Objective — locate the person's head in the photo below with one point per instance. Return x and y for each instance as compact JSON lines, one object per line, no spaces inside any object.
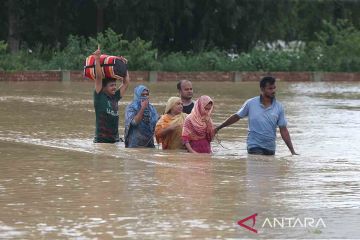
{"x":141,"y":92}
{"x":208,"y":107}
{"x":174,"y":106}
{"x":204,"y":106}
{"x":268,"y":87}
{"x":185,"y":89}
{"x":109,"y":86}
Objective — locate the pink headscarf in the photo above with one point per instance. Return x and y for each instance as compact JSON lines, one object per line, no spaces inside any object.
{"x":198,"y":124}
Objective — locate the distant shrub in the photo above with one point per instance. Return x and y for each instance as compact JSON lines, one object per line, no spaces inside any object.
{"x":336,"y":48}
{"x":3,"y":47}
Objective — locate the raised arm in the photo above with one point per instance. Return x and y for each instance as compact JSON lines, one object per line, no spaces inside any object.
{"x":125,"y":84}
{"x":98,"y":72}
{"x":139,"y":116}
{"x":287,"y":139}
{"x":231,"y":120}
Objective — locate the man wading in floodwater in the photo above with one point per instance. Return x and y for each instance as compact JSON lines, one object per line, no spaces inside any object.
{"x":106,"y":98}
{"x":265,"y":113}
{"x":186,"y":94}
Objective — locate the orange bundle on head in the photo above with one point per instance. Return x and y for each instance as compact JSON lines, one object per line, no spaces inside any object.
{"x":111,"y":66}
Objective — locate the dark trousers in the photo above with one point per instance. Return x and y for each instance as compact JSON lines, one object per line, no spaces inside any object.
{"x":260,"y":151}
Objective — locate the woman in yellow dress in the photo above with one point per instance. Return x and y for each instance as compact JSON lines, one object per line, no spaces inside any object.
{"x":169,"y":127}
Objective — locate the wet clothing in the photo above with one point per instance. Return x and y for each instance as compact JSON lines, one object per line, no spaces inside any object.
{"x":140,"y":134}
{"x":187,"y":109}
{"x":172,"y":140}
{"x":262,"y":122}
{"x":198,"y":127}
{"x":201,"y":145}
{"x":260,"y":151}
{"x":107,"y":117}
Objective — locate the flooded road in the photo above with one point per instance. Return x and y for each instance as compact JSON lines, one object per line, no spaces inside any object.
{"x":56,"y":184}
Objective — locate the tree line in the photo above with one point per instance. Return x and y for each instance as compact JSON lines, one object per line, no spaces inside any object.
{"x":183,"y":35}
{"x":172,"y":26}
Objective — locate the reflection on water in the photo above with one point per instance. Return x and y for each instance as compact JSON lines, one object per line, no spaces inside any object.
{"x":55,"y":183}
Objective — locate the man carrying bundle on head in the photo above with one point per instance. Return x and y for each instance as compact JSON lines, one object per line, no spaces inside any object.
{"x":106,"y":98}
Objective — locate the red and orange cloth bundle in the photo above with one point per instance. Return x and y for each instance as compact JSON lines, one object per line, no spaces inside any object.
{"x":111,"y":66}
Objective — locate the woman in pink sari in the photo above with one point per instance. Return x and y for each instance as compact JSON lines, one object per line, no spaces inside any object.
{"x":198,"y":130}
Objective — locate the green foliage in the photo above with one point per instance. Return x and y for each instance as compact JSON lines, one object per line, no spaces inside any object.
{"x":271,"y":60}
{"x":213,"y":60}
{"x":204,"y":61}
{"x":336,"y":48}
{"x":71,"y":57}
{"x":140,"y":54}
{"x":3,"y":47}
{"x":20,"y":61}
{"x":110,"y":43}
{"x":173,"y":26}
{"x":176,"y":62}
{"x":256,"y":60}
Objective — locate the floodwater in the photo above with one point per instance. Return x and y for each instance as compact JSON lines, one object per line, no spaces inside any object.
{"x":56,"y":184}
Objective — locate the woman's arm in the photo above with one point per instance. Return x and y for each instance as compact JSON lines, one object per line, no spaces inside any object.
{"x":163,"y":132}
{"x":189,"y":148}
{"x":210,"y":131}
{"x":140,"y":114}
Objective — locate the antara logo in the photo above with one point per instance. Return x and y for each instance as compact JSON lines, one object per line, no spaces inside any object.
{"x":283,"y":222}
{"x":253,"y":217}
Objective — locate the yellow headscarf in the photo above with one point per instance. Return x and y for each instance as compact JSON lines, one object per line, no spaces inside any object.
{"x":173,"y":140}
{"x":171,"y":103}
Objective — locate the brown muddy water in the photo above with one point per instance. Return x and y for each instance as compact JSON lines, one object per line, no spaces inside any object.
{"x":55,"y":183}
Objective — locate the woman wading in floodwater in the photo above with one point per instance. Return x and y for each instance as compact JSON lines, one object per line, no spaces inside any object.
{"x":198,"y":130}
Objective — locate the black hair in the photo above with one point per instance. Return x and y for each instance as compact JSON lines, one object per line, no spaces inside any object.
{"x":105,"y":81}
{"x":178,"y":85}
{"x":267,"y":81}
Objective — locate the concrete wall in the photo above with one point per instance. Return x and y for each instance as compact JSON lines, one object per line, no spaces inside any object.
{"x":146,"y":76}
{"x":30,"y":76}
